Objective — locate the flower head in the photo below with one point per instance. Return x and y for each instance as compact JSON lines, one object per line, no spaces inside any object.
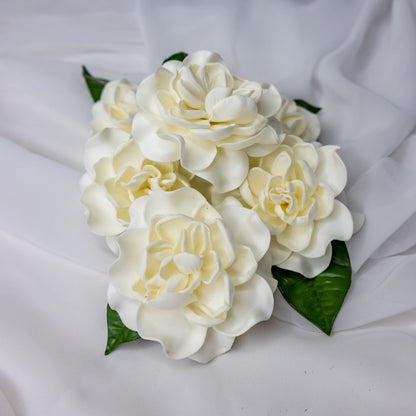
{"x":186,"y":274}
{"x":293,"y":191}
{"x":118,"y":174}
{"x":195,"y":111}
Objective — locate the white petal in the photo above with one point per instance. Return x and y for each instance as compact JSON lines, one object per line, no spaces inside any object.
{"x":171,"y":300}
{"x":215,"y":298}
{"x":331,"y":169}
{"x":270,"y":102}
{"x":237,"y":109}
{"x":136,"y":212}
{"x":168,"y":228}
{"x":102,"y":215}
{"x":264,"y":269}
{"x":296,"y":237}
{"x":185,"y":201}
{"x":178,"y":337}
{"x":306,"y":266}
{"x":154,"y":146}
{"x":147,"y":89}
{"x":227,"y":171}
{"x":103,"y":144}
{"x":247,"y":228}
{"x":124,"y":273}
{"x":338,"y":226}
{"x":278,"y":252}
{"x":187,"y":263}
{"x":127,"y":308}
{"x":253,"y":303}
{"x":215,"y":96}
{"x":215,"y":133}
{"x":202,"y":58}
{"x":215,"y":344}
{"x":196,"y":154}
{"x":223,"y":243}
{"x":306,"y":152}
{"x":244,"y":266}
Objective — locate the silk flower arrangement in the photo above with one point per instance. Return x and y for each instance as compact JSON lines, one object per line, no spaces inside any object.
{"x":213,"y":191}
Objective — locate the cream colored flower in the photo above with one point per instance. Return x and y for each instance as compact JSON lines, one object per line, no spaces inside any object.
{"x":116,"y":107}
{"x":118,"y":174}
{"x":187,"y":275}
{"x":195,"y":111}
{"x":298,"y":121}
{"x":293,"y":191}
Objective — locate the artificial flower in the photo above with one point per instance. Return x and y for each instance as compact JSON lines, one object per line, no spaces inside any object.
{"x":116,"y":175}
{"x":116,"y":107}
{"x":197,"y":112}
{"x":298,"y":121}
{"x":187,"y":275}
{"x":293,"y":190}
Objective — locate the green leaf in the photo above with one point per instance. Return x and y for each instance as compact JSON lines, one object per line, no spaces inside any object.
{"x":118,"y":333}
{"x":180,"y":56}
{"x":95,"y":85}
{"x":319,"y":299}
{"x":307,"y":106}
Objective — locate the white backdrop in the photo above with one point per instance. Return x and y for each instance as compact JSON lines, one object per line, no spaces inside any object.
{"x":355,"y":59}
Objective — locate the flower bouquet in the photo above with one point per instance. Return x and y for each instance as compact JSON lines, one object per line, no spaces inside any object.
{"x":212,"y":191}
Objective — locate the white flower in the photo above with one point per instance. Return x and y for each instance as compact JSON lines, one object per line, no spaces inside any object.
{"x":117,"y":106}
{"x":118,"y":174}
{"x":195,"y":111}
{"x":293,"y":191}
{"x":186,"y":274}
{"x":298,"y":121}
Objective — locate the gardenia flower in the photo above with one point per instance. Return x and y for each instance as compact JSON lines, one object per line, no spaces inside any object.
{"x":298,"y":121}
{"x":117,"y":106}
{"x":118,"y":174}
{"x":195,"y":111}
{"x":293,"y":191}
{"x":186,"y":274}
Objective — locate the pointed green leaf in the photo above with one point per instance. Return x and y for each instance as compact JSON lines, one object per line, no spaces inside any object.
{"x":319,"y":299}
{"x":180,"y":56}
{"x":118,"y":333}
{"x":307,"y":106}
{"x":95,"y":85}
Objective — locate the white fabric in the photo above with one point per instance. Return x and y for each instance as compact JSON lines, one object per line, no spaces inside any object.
{"x":355,"y":59}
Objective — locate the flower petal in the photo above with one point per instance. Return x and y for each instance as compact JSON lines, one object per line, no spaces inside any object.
{"x":154,"y":146}
{"x":253,"y":303}
{"x":216,"y":298}
{"x":183,"y":201}
{"x":102,"y":215}
{"x":127,"y":308}
{"x":215,"y":344}
{"x":331,"y":169}
{"x":215,"y":133}
{"x":103,"y":144}
{"x":296,"y":237}
{"x":202,"y":58}
{"x":308,"y":267}
{"x":244,"y":266}
{"x":248,"y":229}
{"x":278,"y":252}
{"x":227,"y":171}
{"x":338,"y":226}
{"x":146,"y":91}
{"x":236,"y":109}
{"x":269,"y":102}
{"x":196,"y":154}
{"x":124,"y":273}
{"x":215,"y":96}
{"x":178,"y":337}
